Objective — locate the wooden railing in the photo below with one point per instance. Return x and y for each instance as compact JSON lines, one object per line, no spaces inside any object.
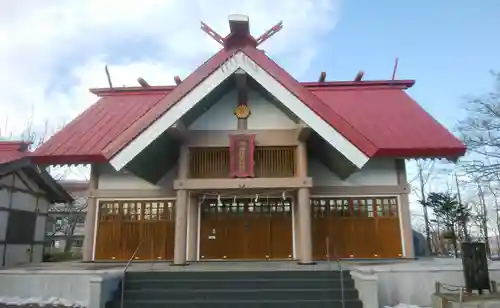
{"x":122,"y":295}
{"x":270,"y":162}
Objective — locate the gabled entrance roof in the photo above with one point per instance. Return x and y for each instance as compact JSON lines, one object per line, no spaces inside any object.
{"x":330,"y":126}
{"x":360,"y":119}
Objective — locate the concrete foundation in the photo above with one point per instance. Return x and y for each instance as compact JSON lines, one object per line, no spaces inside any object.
{"x":88,"y":288}
{"x":380,"y":283}
{"x":411,"y":282}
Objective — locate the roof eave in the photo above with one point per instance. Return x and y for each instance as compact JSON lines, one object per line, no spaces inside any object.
{"x":404,"y":84}
{"x":450,"y":153}
{"x":136,"y":90}
{"x":71,"y":159}
{"x":14,"y":165}
{"x":56,"y":192}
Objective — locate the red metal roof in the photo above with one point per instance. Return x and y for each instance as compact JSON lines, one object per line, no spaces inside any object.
{"x":84,"y":139}
{"x":164,"y":104}
{"x":320,"y":108}
{"x":12,"y":150}
{"x":329,"y":115}
{"x":378,"y":117}
{"x":392,"y":121}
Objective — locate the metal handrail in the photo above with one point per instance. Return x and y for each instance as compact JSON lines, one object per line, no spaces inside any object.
{"x":337,"y":259}
{"x":125,"y":272}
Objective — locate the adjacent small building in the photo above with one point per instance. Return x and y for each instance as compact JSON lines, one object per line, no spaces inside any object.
{"x":66,"y":221}
{"x":26,"y":192}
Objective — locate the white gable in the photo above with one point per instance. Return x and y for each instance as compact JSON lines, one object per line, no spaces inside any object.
{"x":239,"y":60}
{"x":265,"y":115}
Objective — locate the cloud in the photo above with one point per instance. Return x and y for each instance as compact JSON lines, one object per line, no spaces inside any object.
{"x":54,"y":50}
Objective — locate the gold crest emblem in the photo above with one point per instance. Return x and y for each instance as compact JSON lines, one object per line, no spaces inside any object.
{"x":242,"y":111}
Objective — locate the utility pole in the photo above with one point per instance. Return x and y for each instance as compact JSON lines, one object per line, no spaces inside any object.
{"x":464,"y":217}
{"x":424,"y":204}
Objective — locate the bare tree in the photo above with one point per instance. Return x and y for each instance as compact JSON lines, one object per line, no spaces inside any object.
{"x":425,"y":170}
{"x":494,"y":195}
{"x":71,"y":212}
{"x":480,"y":130}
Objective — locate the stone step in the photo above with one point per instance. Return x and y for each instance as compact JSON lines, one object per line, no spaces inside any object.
{"x":176,"y":275}
{"x":331,"y":303}
{"x":241,"y":295}
{"x":226,"y":284}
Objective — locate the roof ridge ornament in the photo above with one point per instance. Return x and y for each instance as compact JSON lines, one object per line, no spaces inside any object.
{"x":240,"y":36}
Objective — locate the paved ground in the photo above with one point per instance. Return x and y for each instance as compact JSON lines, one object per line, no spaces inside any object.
{"x":166,"y":266}
{"x":368,"y":265}
{"x":35,"y":306}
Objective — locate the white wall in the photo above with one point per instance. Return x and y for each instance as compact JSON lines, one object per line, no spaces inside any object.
{"x":264,"y":115}
{"x":378,"y":171}
{"x":17,"y":254}
{"x":4,"y":194}
{"x":4,"y":216}
{"x":109,"y":178}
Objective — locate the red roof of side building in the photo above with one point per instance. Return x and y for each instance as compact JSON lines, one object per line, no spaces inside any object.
{"x":379,"y":110}
{"x":11,"y":151}
{"x":14,"y":156}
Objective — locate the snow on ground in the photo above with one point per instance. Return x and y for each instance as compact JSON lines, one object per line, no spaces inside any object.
{"x":52,"y":301}
{"x":404,"y":306}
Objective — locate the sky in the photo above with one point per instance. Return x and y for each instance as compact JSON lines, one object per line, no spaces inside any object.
{"x":53,"y":51}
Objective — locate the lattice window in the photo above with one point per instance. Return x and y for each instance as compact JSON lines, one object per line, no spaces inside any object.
{"x":355,"y":207}
{"x":137,"y":210}
{"x":266,"y":207}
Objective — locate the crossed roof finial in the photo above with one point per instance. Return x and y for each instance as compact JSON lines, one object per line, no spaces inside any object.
{"x":240,"y":32}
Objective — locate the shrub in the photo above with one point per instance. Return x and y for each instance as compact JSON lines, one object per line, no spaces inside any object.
{"x":60,"y":256}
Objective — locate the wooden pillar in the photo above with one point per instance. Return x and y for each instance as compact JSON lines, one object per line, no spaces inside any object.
{"x":192,"y":241}
{"x":181,"y":210}
{"x":90,"y":216}
{"x":304,"y":209}
{"x":408,"y":250}
{"x":296,"y":227}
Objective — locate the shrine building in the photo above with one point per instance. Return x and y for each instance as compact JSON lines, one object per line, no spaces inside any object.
{"x":240,"y":161}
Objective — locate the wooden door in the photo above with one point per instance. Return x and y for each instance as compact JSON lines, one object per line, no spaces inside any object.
{"x":281,"y":243}
{"x":388,"y":228}
{"x":358,"y":227}
{"x":109,"y":229}
{"x":256,"y":236}
{"x":319,"y":224}
{"x":126,"y":225}
{"x":245,"y":229}
{"x":212,"y":231}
